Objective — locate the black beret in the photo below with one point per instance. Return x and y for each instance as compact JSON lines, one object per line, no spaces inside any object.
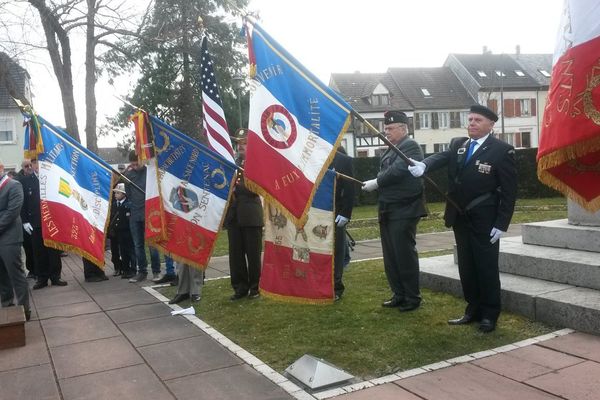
{"x":395,"y":117}
{"x":133,"y":156}
{"x":483,"y":110}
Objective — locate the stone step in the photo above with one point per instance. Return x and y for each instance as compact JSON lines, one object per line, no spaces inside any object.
{"x":12,"y":327}
{"x":559,"y":233}
{"x":548,"y":302}
{"x":572,"y":267}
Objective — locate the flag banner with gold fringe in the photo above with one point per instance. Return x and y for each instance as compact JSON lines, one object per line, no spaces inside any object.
{"x":569,"y":149}
{"x":32,"y":144}
{"x":298,"y":262}
{"x":295,"y":124}
{"x":187,"y":186}
{"x":75,"y":195}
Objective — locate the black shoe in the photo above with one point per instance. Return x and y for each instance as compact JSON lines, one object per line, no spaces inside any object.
{"x":174,"y":282}
{"x":179,"y":298}
{"x":31,"y":276}
{"x":97,"y":278}
{"x":408,"y":306}
{"x":465,"y":319}
{"x":487,"y":325}
{"x":393,"y":302}
{"x":27,"y":315}
{"x":39,"y":285}
{"x":195,"y":298}
{"x":140,"y":277}
{"x":254,"y":294}
{"x":165,"y":279}
{"x":117,"y":273}
{"x":59,"y":282}
{"x":237,"y":296}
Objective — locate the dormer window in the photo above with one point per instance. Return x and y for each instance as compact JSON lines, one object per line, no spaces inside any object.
{"x":481,"y":74}
{"x":519,"y":72}
{"x":425,"y":92}
{"x":500,"y":73}
{"x":380,"y":99}
{"x":545,"y":73}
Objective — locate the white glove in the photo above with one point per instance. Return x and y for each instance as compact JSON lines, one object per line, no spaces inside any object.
{"x":495,"y":235}
{"x":369,"y":186}
{"x":418,"y":169}
{"x":341,"y":221}
{"x":28,"y":228}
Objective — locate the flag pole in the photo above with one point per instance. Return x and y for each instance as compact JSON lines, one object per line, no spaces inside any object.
{"x":347,"y":177}
{"x":405,"y":158}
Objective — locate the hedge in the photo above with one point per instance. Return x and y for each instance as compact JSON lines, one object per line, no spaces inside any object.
{"x":529,"y":186}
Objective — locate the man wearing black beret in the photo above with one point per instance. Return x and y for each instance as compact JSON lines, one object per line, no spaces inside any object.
{"x":401,"y":206}
{"x":482,"y":180}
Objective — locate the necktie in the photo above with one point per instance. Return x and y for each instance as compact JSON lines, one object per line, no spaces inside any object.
{"x":470,"y":152}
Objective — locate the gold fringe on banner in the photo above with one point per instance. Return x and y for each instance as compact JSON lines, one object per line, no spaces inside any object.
{"x":295,"y":300}
{"x":561,"y":156}
{"x":73,"y":249}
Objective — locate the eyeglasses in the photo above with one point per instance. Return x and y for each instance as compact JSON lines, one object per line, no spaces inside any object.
{"x":27,"y":166}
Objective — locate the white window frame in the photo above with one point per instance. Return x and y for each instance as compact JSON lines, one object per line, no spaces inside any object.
{"x":525,"y":107}
{"x":10,"y":123}
{"x":481,"y":74}
{"x":464,"y":119}
{"x":500,"y":73}
{"x":545,"y":73}
{"x":425,"y":92}
{"x":443,"y":120}
{"x":425,"y":120}
{"x":518,"y":72}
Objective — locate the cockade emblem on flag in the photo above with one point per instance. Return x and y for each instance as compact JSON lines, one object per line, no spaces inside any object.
{"x":278,"y":127}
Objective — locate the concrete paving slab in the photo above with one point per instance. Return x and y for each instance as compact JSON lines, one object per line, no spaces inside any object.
{"x":29,"y":383}
{"x":131,"y":383}
{"x":527,"y":362}
{"x":63,"y":295}
{"x":383,"y":392}
{"x":137,"y":313}
{"x":82,"y":328}
{"x":33,"y":353}
{"x":113,"y":284}
{"x":579,"y":382}
{"x":578,"y":344}
{"x":125,"y":298}
{"x":466,"y":382}
{"x":68,"y":310}
{"x":157,"y":330}
{"x":187,"y":356}
{"x":95,"y":356}
{"x":576,"y":307}
{"x":559,"y":233}
{"x":236,"y":383}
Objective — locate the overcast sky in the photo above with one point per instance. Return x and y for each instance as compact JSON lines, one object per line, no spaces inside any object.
{"x":330,"y":36}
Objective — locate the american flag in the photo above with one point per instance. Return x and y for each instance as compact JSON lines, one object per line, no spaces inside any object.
{"x":213,"y":120}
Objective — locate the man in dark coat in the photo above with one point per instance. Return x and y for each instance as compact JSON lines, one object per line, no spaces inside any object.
{"x":482,"y":181}
{"x":244,"y":222}
{"x":401,"y":206}
{"x":12,"y":276}
{"x":344,"y":202}
{"x":26,"y":170}
{"x":48,"y":265}
{"x":121,"y":243}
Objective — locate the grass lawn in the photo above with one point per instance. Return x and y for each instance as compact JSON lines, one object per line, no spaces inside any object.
{"x":356,"y":333}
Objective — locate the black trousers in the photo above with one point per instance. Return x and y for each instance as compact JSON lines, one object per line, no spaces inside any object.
{"x":245,"y":246}
{"x":340,"y":247}
{"x":478,"y":268}
{"x":46,"y":260}
{"x":91,"y":270}
{"x":122,"y":253}
{"x":400,"y":257}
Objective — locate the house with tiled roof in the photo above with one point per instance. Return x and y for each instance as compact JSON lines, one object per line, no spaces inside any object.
{"x":513,"y":85}
{"x":11,"y":120}
{"x":433,"y":99}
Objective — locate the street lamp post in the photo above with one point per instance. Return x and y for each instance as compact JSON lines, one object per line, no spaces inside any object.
{"x":237,"y":83}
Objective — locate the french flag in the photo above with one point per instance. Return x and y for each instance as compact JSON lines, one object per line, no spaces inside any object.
{"x":187,"y":189}
{"x":295,"y":125}
{"x":75,"y":190}
{"x":298,"y":263}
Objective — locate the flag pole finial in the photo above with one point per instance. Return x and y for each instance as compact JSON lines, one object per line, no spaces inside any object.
{"x":200,"y":24}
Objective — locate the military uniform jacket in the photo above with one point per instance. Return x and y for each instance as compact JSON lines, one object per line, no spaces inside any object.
{"x":488,"y":181}
{"x":30,"y":212}
{"x":344,"y":189}
{"x":399,"y":192}
{"x":119,"y":219}
{"x":11,"y":200}
{"x":245,"y":208}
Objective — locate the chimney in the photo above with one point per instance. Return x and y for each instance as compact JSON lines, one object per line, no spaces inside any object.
{"x":518,"y":50}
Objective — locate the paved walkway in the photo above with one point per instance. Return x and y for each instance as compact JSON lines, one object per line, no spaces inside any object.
{"x":114,"y":340}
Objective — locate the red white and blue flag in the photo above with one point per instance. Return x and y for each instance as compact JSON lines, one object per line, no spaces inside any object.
{"x":569,"y":149}
{"x":187,"y":189}
{"x":213,"y":120}
{"x":295,"y":125}
{"x":298,"y":262}
{"x":75,"y":193}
